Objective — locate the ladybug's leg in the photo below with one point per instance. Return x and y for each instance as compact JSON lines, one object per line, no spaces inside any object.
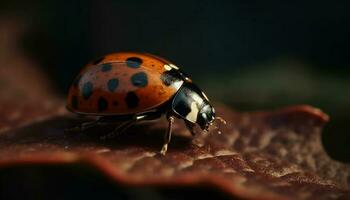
{"x":120,"y":129}
{"x":83,"y":126}
{"x":167,"y":136}
{"x":190,"y":127}
{"x":127,"y":124}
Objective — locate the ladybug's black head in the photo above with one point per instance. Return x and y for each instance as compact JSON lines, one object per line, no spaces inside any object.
{"x":191,"y":104}
{"x":206,"y":117}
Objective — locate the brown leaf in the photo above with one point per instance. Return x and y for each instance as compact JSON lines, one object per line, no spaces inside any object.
{"x":261,"y":155}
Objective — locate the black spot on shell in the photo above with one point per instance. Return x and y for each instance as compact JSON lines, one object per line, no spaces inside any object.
{"x":170,"y":77}
{"x":98,"y":61}
{"x":74,"y":102}
{"x":112,"y":84}
{"x":139,"y":79}
{"x":131,"y":100}
{"x":87,"y":90}
{"x":102,"y":104}
{"x":106,"y":67}
{"x":134,"y":62}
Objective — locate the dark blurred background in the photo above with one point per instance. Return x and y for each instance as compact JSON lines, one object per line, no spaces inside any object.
{"x":248,"y":54}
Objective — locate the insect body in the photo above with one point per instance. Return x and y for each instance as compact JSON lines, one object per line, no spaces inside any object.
{"x":135,"y":86}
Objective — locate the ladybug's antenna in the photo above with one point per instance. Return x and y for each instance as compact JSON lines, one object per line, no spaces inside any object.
{"x":215,"y":124}
{"x":221,"y":120}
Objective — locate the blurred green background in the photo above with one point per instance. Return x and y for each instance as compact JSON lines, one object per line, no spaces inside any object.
{"x":248,"y":54}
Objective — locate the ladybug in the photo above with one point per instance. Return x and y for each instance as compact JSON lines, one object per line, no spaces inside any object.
{"x":133,"y":87}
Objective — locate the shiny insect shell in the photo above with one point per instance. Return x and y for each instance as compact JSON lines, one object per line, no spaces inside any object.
{"x":132,"y":87}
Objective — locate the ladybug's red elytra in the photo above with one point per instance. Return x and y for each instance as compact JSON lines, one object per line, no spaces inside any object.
{"x":134,"y":87}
